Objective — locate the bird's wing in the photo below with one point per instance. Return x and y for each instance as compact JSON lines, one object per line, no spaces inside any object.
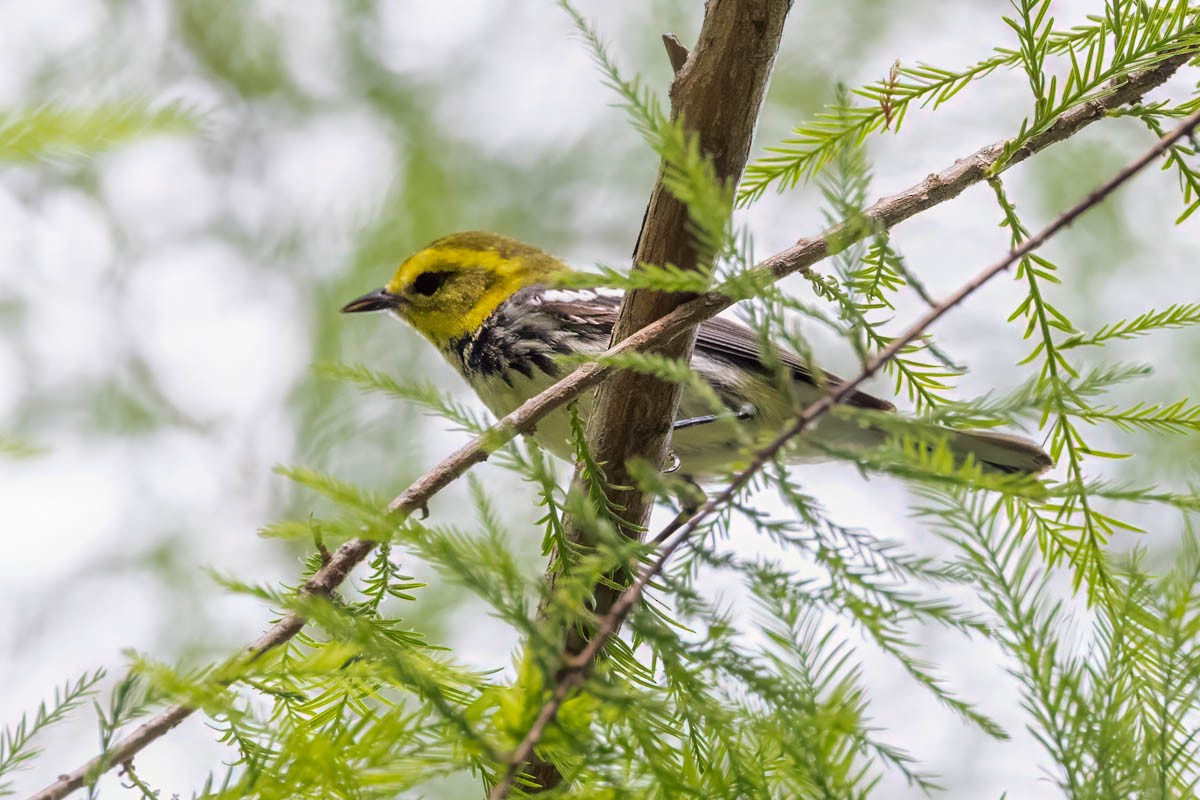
{"x":717,"y":337}
{"x":734,"y":342}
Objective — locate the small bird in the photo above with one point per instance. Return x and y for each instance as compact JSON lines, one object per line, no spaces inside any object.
{"x":488,"y":303}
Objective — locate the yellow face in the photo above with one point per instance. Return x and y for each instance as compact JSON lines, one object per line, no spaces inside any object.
{"x":447,"y":290}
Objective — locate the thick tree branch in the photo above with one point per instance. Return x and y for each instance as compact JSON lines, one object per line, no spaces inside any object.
{"x":716,"y":94}
{"x":576,"y":665}
{"x":887,"y":212}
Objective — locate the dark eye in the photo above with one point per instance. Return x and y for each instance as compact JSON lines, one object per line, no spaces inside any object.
{"x":428,"y":282}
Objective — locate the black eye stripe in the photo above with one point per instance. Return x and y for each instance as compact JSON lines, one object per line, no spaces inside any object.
{"x":427,"y":283}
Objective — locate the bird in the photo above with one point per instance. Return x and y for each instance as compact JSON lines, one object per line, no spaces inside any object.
{"x":496,"y":310}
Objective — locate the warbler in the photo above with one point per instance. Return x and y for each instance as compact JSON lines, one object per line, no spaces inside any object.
{"x":489,"y":304}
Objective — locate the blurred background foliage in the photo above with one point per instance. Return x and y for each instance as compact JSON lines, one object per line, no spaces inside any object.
{"x":224,"y":175}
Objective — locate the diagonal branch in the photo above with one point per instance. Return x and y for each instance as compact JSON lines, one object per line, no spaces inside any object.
{"x":886,"y":213}
{"x":576,"y":665}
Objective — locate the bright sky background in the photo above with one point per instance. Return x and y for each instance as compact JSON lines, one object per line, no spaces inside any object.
{"x":184,"y":277}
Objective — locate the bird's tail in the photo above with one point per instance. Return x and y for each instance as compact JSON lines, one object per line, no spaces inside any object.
{"x":999,"y":452}
{"x":995,"y":453}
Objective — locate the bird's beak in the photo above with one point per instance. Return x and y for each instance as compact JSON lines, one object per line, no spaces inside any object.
{"x":378,"y":300}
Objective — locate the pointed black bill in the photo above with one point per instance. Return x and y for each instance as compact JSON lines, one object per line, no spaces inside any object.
{"x":378,"y":300}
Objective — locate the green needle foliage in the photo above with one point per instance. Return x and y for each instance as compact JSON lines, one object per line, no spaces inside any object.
{"x":1109,"y":712}
{"x":1043,"y":322}
{"x":17,"y":745}
{"x":868,"y":278}
{"x":1144,"y":34}
{"x":55,"y":131}
{"x":15,"y":448}
{"x":1180,"y":315}
{"x":759,"y":692}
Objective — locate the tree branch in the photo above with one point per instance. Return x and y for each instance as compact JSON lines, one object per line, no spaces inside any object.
{"x":716,"y":94}
{"x":966,"y":172}
{"x":576,"y":665}
{"x":886,"y":212}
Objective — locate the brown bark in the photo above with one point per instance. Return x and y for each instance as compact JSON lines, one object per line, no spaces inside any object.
{"x":717,"y":93}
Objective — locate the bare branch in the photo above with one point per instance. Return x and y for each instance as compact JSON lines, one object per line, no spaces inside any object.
{"x":576,"y":665}
{"x":887,"y":212}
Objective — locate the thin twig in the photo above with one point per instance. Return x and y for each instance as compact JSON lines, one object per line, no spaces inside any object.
{"x":575,"y":667}
{"x":885,"y":213}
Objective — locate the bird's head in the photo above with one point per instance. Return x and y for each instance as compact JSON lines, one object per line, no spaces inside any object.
{"x":448,"y":289}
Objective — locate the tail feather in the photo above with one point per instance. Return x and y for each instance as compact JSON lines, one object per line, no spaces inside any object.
{"x":1001,"y":452}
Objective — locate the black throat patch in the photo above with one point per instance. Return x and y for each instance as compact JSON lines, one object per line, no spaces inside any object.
{"x":517,"y":337}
